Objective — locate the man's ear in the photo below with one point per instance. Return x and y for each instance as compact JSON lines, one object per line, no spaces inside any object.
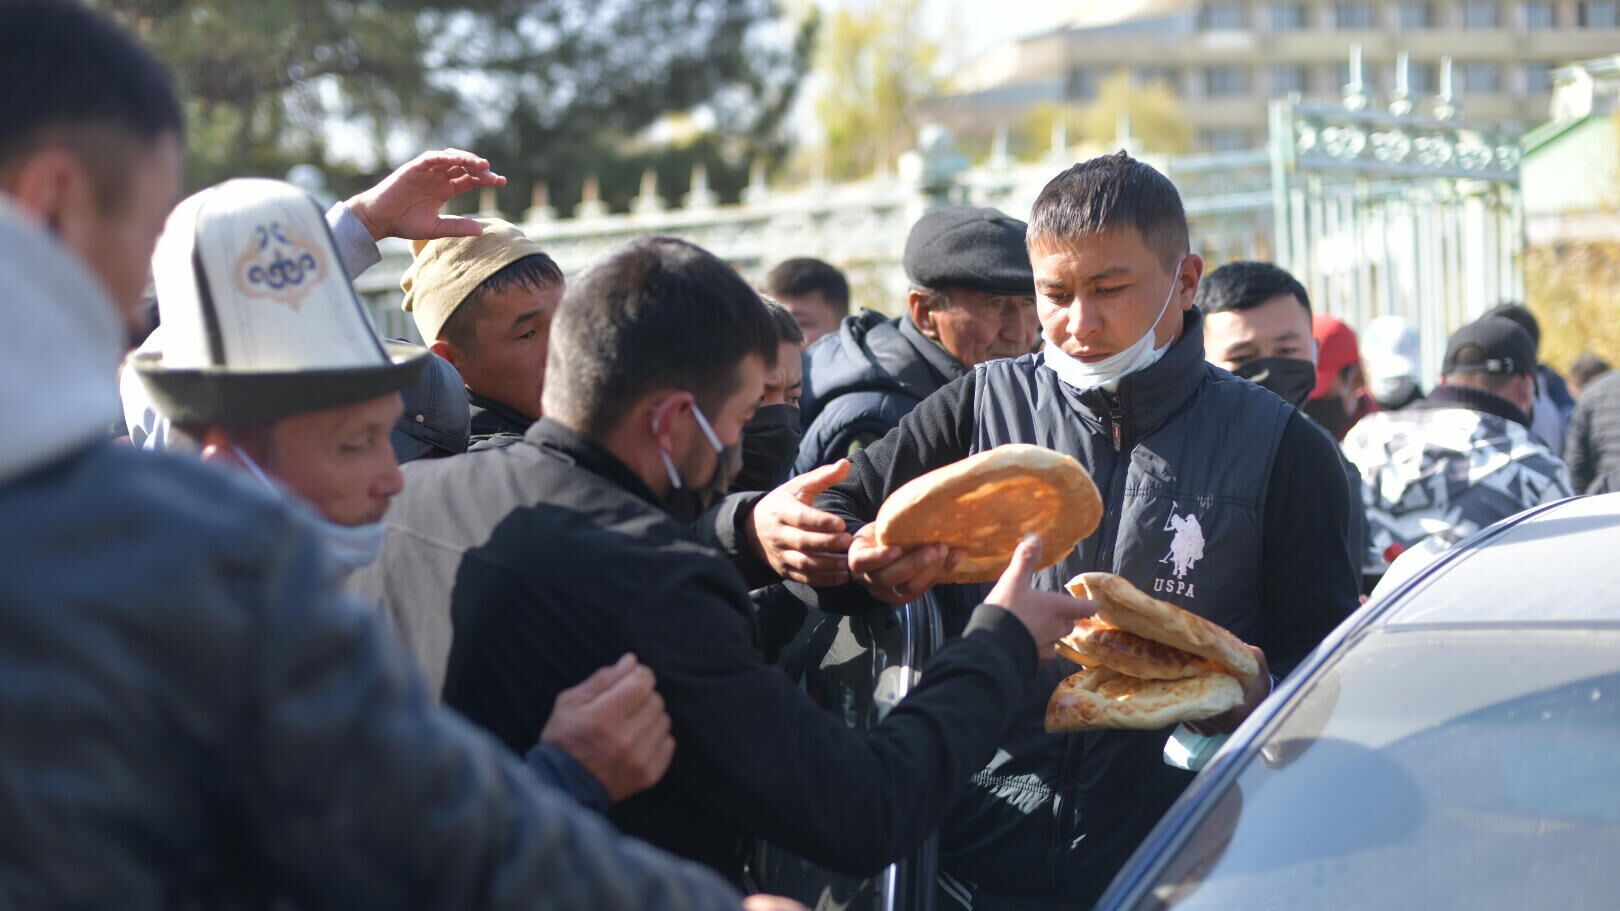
{"x":53,"y":186}
{"x":664,"y":415}
{"x":448,"y":351}
{"x":1192,"y":271}
{"x":921,"y":306}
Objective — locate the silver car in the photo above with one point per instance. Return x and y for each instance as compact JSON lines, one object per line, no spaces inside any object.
{"x":1455,"y":744}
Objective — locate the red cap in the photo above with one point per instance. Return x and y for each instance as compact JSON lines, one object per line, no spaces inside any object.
{"x":1336,"y":349}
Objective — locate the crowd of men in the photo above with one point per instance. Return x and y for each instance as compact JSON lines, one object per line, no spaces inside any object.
{"x":496,"y":621}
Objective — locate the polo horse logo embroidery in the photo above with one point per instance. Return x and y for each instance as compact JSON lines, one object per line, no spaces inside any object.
{"x":279,"y":264}
{"x":1187,"y":545}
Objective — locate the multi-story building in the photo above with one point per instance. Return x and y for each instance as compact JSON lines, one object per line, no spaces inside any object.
{"x":1225,"y":59}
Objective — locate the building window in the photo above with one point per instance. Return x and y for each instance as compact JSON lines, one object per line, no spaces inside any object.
{"x":1287,"y":79}
{"x":1227,"y":140}
{"x":1538,"y":78}
{"x":1226,"y":81}
{"x":1480,"y":14}
{"x":1287,"y":17}
{"x":1416,"y":15}
{"x":1353,"y":16}
{"x":1600,"y":15}
{"x":1225,"y":16}
{"x":1158,"y":75}
{"x":1479,"y":78}
{"x":1084,"y":82}
{"x":1540,"y":14}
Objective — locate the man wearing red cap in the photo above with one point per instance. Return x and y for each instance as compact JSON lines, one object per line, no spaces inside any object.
{"x":1339,"y":400}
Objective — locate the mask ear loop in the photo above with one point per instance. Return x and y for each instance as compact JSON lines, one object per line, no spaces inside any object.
{"x":669,"y":464}
{"x":254,"y":469}
{"x":703,"y":425}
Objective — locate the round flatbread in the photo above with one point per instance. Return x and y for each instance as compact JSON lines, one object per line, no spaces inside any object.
{"x":1123,"y":605}
{"x":983,"y":506}
{"x":1094,"y":643}
{"x":1103,"y":698}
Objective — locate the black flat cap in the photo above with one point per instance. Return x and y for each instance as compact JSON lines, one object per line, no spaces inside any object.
{"x":1491,"y":344}
{"x":964,"y":247}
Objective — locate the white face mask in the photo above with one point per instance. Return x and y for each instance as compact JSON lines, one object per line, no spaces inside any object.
{"x":1139,"y":356}
{"x":351,"y":547}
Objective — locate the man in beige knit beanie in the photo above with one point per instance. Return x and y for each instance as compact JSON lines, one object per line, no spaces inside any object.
{"x":485,"y":304}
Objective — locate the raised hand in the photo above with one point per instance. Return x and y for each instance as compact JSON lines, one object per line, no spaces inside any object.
{"x":408,"y":202}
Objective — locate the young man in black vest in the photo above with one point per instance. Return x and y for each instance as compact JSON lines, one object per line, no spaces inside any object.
{"x":1219,"y":497}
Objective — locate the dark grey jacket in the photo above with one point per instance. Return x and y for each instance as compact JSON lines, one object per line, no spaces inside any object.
{"x":1593,"y":448}
{"x":190,"y":721}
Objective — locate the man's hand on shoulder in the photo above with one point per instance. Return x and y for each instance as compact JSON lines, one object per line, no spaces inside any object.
{"x":614,"y":724}
{"x":408,"y":202}
{"x":798,"y":541}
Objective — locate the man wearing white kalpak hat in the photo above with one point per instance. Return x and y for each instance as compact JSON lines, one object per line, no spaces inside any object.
{"x":269,"y":361}
{"x":192,"y":717}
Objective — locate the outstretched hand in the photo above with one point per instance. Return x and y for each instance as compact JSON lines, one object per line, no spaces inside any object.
{"x":800,"y":542}
{"x":1048,"y":616}
{"x":408,"y":202}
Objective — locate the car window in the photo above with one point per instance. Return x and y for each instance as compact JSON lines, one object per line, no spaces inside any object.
{"x":1458,"y":768}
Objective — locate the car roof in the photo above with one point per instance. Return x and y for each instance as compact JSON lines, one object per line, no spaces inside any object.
{"x":1558,"y":564}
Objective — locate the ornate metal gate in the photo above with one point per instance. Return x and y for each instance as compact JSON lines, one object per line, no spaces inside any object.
{"x":1392,"y":212}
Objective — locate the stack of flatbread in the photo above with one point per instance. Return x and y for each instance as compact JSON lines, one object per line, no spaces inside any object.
{"x":1145,"y":664}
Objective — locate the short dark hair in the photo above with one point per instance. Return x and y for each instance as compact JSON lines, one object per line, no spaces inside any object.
{"x":1107,"y":194}
{"x":659,"y":313}
{"x":1587,"y":368}
{"x":75,"y":78}
{"x":798,"y":277}
{"x":787,"y":328}
{"x":537,"y":271}
{"x":1520,"y":314}
{"x":1245,"y":284}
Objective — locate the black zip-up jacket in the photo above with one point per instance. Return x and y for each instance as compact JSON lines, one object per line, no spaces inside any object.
{"x":554,"y":559}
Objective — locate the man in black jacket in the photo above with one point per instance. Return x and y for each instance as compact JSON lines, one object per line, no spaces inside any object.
{"x":970,"y":302}
{"x":562,"y":551}
{"x":1218,"y":497}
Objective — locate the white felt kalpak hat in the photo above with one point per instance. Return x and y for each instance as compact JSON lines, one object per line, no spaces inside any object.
{"x":259,"y":319}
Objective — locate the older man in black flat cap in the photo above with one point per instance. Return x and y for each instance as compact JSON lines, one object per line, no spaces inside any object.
{"x":972,"y":300}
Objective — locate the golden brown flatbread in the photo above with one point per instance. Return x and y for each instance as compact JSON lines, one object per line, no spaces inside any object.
{"x":1094,"y":643}
{"x":983,"y":506}
{"x":1098,"y":697}
{"x":1123,"y":605}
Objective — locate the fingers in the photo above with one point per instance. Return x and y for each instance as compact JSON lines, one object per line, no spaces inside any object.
{"x":1070,"y":608}
{"x":465,"y":182}
{"x":811,"y":484}
{"x":804,"y":517}
{"x":1026,"y":557}
{"x":907,"y":578}
{"x":453,"y":226}
{"x":599,"y":682}
{"x":818,"y":570}
{"x":626,"y":694}
{"x":450,"y":158}
{"x":771,"y":903}
{"x":789,"y":537}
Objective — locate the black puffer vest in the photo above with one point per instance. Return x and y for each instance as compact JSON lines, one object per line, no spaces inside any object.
{"x":1182,"y":455}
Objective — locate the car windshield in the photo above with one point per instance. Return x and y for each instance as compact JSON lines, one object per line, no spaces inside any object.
{"x":1457,"y":768}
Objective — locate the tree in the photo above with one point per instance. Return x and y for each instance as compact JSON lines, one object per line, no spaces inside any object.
{"x":1570,"y":288}
{"x":526,"y":81}
{"x":1155,"y":117}
{"x":874,"y":66}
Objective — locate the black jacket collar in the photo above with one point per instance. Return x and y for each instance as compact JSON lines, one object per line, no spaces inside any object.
{"x":1145,"y":401}
{"x":1474,"y":400}
{"x":491,"y":417}
{"x":559,"y":441}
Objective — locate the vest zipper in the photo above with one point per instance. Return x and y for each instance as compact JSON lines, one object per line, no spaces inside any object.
{"x":1116,"y":418}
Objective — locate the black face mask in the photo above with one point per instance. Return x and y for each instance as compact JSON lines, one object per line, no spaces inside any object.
{"x":770,"y":443}
{"x":1330,"y":413}
{"x":1291,"y":378}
